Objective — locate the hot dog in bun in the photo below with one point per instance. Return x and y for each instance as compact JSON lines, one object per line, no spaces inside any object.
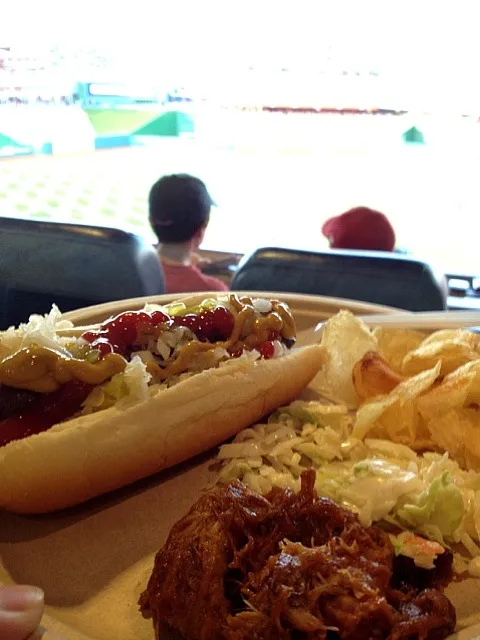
{"x":83,"y":415}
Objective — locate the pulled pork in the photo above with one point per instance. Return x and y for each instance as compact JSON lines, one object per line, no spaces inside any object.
{"x":294,"y":566}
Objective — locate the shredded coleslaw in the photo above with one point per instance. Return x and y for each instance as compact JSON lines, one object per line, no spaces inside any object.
{"x":381,"y":481}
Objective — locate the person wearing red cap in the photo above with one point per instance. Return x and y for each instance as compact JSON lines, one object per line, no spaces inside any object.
{"x":360,"y":228}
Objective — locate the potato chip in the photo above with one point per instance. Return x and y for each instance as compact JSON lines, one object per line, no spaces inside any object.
{"x":395,"y":416}
{"x":373,"y":376}
{"x":458,"y":389}
{"x":457,"y":431}
{"x":403,"y":424}
{"x":452,"y":348}
{"x":474,"y":391}
{"x":472,"y":439}
{"x":395,"y":344}
{"x":454,"y":335}
{"x":347,"y":340}
{"x":450,"y":412}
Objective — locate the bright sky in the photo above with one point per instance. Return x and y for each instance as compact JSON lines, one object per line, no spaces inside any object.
{"x":432,"y":43}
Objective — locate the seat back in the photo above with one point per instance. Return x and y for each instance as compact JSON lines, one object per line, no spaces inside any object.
{"x":369,"y":276}
{"x":71,"y":265}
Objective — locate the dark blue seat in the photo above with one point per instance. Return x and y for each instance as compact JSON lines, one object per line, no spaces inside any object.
{"x":370,"y":276}
{"x":70,"y":265}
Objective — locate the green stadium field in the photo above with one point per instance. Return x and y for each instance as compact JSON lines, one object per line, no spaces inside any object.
{"x":277,"y":196}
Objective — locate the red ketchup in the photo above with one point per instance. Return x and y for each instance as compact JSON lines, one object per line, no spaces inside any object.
{"x":209,"y":326}
{"x":267,"y":349}
{"x":120,"y":333}
{"x":47,"y":410}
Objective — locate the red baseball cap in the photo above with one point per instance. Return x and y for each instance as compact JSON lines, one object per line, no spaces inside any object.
{"x":360,"y":228}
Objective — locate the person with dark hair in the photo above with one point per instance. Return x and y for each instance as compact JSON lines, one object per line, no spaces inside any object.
{"x":360,"y":228}
{"x":179,"y":212}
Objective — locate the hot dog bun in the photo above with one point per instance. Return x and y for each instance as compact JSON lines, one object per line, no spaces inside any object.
{"x":94,"y":454}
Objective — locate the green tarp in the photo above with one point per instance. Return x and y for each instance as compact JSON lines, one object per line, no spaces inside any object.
{"x":6,"y":141}
{"x":171,"y":123}
{"x":414,"y":135}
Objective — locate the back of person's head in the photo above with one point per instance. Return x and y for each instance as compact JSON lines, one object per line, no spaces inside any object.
{"x":360,"y":228}
{"x":179,"y":207}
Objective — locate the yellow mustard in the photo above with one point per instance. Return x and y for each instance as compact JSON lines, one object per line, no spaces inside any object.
{"x":41,"y":369}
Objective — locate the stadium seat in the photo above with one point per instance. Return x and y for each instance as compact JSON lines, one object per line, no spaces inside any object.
{"x":369,"y":276}
{"x":70,"y":265}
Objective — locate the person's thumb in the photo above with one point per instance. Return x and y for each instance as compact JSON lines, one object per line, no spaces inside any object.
{"x":21,"y":609}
